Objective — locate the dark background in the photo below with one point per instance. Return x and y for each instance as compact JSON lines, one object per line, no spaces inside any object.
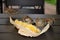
{"x":58,"y":6}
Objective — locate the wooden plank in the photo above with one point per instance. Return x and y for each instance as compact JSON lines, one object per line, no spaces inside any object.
{"x":57,"y":22}
{"x":7,"y":28}
{"x":18,"y":15}
{"x":56,"y":29}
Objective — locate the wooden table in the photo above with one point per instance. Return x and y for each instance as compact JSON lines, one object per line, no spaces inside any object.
{"x":8,"y":32}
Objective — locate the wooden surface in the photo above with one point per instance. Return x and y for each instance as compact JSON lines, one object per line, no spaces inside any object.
{"x":9,"y":32}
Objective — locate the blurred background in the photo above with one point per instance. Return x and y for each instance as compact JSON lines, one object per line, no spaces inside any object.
{"x":50,"y":6}
{"x":42,"y":6}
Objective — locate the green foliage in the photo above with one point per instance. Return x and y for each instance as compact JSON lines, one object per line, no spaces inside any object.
{"x":51,"y":1}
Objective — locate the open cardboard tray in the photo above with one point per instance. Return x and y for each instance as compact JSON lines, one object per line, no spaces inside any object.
{"x":43,"y":29}
{"x":8,"y":32}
